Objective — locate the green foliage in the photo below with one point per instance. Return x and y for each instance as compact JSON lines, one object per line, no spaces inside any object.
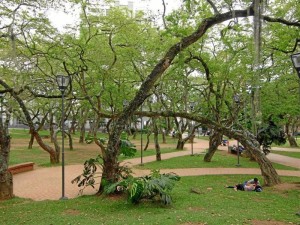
{"x":127,"y":148}
{"x":270,"y":134}
{"x":90,"y":174}
{"x":154,"y":186}
{"x":90,"y":139}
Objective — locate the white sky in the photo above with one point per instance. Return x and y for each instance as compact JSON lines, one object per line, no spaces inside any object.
{"x":60,"y":19}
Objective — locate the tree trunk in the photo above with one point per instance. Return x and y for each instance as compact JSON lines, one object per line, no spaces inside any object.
{"x":156,"y":142}
{"x":6,"y":185}
{"x":180,"y":144}
{"x":82,"y":133}
{"x":181,"y":141}
{"x":268,"y":172}
{"x":30,"y":144}
{"x":6,"y":181}
{"x":54,"y":155}
{"x":111,"y":171}
{"x":51,"y":126}
{"x":292,"y":141}
{"x":70,"y":140}
{"x":72,"y":128}
{"x":163,"y":135}
{"x":148,"y":141}
{"x":215,"y":139}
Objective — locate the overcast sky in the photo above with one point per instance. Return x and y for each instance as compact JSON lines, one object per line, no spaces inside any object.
{"x":59,"y":19}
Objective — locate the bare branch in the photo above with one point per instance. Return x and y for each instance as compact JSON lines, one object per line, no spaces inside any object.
{"x":213,"y":6}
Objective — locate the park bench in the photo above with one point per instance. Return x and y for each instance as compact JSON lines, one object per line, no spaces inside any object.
{"x":20,"y":168}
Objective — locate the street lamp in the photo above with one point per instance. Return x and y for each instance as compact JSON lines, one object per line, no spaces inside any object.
{"x":63,"y":82}
{"x":296,"y":62}
{"x":192,"y":106}
{"x":236,"y":99}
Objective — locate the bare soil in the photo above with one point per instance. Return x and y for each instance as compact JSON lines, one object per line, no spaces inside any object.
{"x":287,"y":186}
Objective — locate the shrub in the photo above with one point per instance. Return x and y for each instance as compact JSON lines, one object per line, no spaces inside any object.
{"x":155,"y":186}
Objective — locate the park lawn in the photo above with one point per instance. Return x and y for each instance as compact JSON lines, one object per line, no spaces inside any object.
{"x":81,"y":151}
{"x":220,"y":159}
{"x":212,"y":204}
{"x":290,"y":154}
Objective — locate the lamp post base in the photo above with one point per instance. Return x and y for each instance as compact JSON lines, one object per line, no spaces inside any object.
{"x":63,"y":198}
{"x":238,"y":165}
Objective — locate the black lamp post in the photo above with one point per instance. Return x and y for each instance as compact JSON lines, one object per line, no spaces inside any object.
{"x":236,"y":99}
{"x":192,"y":106}
{"x":296,"y":62}
{"x":63,"y":82}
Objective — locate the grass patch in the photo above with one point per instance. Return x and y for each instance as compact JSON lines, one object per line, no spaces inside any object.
{"x":20,"y":153}
{"x":290,"y":154}
{"x":220,"y":159}
{"x":214,"y":205}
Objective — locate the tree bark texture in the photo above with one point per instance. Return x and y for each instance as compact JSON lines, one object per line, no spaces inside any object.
{"x":215,"y":140}
{"x":31,"y":141}
{"x":156,"y":141}
{"x":6,"y":185}
{"x":6,"y":181}
{"x":292,"y":141}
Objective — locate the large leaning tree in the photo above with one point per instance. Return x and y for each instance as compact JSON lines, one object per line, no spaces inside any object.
{"x":110,"y":168}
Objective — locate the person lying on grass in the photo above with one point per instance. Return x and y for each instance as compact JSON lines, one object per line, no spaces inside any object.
{"x":250,"y":185}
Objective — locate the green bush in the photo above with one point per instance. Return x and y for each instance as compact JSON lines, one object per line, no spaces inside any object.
{"x":155,"y":186}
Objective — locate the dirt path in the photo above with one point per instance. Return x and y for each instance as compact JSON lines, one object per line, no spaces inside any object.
{"x":45,"y":183}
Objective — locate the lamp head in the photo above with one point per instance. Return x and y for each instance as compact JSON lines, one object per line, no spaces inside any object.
{"x":62,"y":82}
{"x":192,"y":105}
{"x":296,"y":62}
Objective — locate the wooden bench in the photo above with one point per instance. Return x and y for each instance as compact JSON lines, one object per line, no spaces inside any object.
{"x":20,"y":168}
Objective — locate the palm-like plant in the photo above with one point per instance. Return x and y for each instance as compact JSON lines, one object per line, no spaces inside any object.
{"x":155,"y":186}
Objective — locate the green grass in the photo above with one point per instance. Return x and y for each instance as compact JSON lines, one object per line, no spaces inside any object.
{"x":214,"y":205}
{"x":219,"y":160}
{"x":290,"y":154}
{"x":24,"y":133}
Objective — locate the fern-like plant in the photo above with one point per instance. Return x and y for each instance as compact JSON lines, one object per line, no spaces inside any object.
{"x":155,"y":186}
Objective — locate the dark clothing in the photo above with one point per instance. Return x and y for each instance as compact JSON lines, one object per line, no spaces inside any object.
{"x":238,"y":187}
